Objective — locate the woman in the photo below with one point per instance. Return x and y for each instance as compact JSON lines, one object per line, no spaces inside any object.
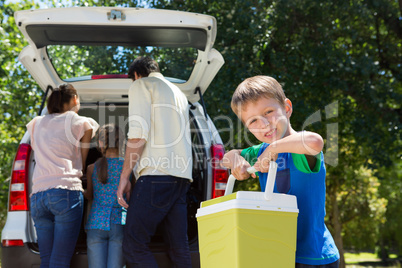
{"x":60,"y":141}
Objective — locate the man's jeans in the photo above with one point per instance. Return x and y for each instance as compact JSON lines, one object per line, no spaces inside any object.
{"x":154,"y":200}
{"x":105,"y":247}
{"x":57,"y":215}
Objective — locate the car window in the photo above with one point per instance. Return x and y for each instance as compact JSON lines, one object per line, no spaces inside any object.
{"x":72,"y":61}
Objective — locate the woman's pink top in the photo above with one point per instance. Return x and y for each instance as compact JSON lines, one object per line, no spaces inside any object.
{"x":55,"y":139}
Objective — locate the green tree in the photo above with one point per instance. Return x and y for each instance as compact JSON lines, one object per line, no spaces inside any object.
{"x":390,"y":230}
{"x":19,"y":95}
{"x":339,"y":58}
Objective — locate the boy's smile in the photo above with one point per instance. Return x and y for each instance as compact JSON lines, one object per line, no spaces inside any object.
{"x":267,"y":119}
{"x":271,"y":133}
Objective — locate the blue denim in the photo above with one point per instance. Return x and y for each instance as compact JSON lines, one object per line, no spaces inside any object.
{"x":105,"y":247}
{"x":155,"y":200}
{"x":330,"y":265}
{"x":57,"y":214}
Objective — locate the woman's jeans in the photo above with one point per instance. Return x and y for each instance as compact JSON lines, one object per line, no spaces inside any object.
{"x":155,"y":200}
{"x":105,"y":247}
{"x":57,"y":214}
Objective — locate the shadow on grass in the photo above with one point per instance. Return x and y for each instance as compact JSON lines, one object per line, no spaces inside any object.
{"x":393,"y":263}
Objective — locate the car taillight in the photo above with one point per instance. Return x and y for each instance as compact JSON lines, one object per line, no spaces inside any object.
{"x":219,"y":174}
{"x":13,"y":243}
{"x":19,"y":179}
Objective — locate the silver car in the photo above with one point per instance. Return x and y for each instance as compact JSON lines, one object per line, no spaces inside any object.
{"x":91,"y":48}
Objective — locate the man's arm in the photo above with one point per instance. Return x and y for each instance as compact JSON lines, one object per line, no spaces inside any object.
{"x":134,"y":150}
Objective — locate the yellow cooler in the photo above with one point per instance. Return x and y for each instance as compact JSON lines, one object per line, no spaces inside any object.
{"x":248,"y":229}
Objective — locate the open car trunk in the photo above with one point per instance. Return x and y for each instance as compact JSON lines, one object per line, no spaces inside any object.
{"x":117,"y":113}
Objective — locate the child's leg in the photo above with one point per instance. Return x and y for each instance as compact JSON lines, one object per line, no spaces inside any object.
{"x":97,"y":242}
{"x":115,"y":251}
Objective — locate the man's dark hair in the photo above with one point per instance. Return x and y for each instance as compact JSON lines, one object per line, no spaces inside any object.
{"x":143,"y":66}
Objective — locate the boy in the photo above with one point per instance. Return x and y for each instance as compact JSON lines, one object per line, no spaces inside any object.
{"x":263,"y":108}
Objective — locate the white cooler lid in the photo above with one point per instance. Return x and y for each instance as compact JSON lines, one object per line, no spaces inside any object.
{"x":249,"y":200}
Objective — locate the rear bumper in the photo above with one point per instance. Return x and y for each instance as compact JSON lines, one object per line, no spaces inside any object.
{"x":25,"y":257}
{"x":19,"y":257}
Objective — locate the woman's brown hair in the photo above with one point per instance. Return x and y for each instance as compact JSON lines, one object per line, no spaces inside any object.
{"x":60,"y":96}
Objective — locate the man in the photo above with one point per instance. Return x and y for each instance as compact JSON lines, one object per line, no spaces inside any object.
{"x":159,"y":144}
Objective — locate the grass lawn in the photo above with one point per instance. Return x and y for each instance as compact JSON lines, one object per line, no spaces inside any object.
{"x":367,"y":259}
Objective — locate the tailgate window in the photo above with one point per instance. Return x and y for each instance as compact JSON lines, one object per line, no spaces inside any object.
{"x":71,"y":61}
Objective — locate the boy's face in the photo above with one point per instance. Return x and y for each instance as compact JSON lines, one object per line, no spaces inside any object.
{"x":267,"y":119}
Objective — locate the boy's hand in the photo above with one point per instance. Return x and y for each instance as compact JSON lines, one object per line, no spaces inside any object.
{"x":237,"y":164}
{"x":241,"y":173}
{"x":240,"y":169}
{"x":262,"y":164}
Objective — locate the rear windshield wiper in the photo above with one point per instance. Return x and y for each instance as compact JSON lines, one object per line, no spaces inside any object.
{"x":198,"y":90}
{"x":49,"y":87}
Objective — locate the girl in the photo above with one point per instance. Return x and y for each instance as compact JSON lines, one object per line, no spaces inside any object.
{"x":105,"y":226}
{"x":60,"y":141}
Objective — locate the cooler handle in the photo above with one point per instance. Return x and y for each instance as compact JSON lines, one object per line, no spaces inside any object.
{"x":232,"y":179}
{"x":269,"y":188}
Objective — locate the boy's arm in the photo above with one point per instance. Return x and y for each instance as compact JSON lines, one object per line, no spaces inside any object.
{"x":305,"y":142}
{"x":237,"y":164}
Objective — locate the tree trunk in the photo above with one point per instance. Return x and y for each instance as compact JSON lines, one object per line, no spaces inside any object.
{"x":337,"y":226}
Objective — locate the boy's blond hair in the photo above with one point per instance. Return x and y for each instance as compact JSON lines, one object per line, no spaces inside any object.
{"x":253,"y":88}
